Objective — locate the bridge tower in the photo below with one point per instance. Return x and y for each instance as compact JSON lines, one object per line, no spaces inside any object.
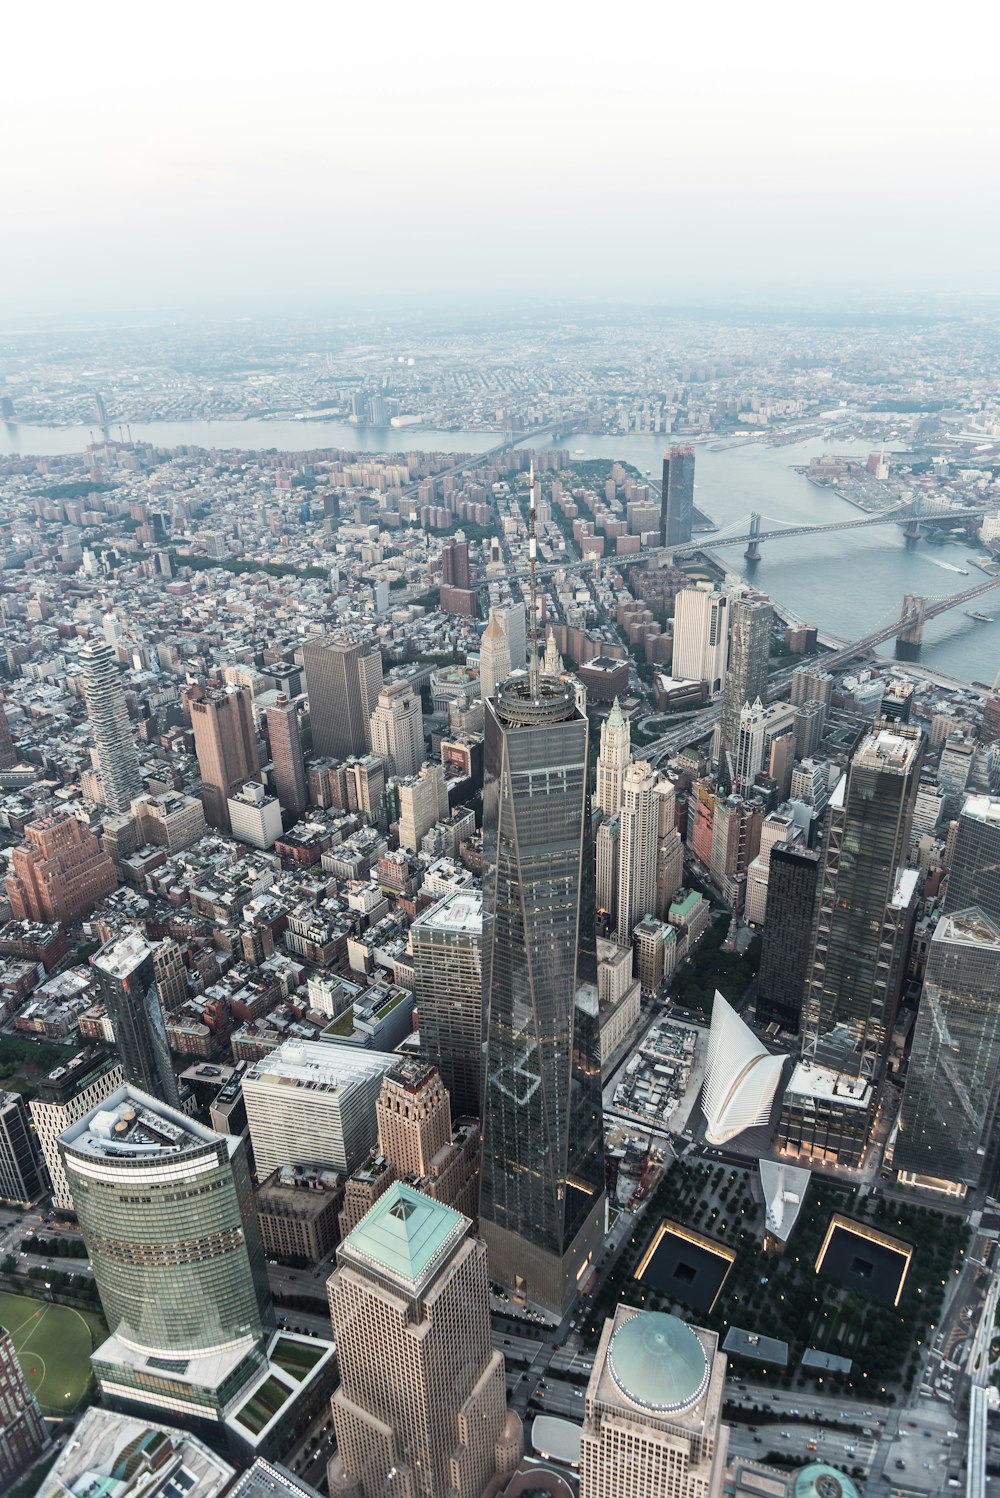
{"x":912,"y":531}
{"x":910,"y":636}
{"x":752,"y":552}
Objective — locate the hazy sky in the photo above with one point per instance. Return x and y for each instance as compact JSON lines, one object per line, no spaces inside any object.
{"x":208,"y":153}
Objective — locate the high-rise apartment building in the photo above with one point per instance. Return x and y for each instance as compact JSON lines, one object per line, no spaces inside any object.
{"x":542,"y":1186}
{"x":677,"y":496}
{"x":670,"y":848}
{"x":312,"y":1102}
{"x":127,"y":979}
{"x":607,"y":848}
{"x":455,"y":564}
{"x":701,"y":637}
{"x":512,"y":617}
{"x":224,"y":741}
{"x":59,"y":873}
{"x":653,"y":1411}
{"x":746,"y":752}
{"x":638,"y":846}
{"x":114,"y":736}
{"x":809,"y":684}
{"x":447,"y":945}
{"x":974,"y":875}
{"x":777,"y":827}
{"x":750,"y":624}
{"x":953,"y":1082}
{"x":612,"y":761}
{"x":20,"y":1174}
{"x":397,"y":728}
{"x":8,"y":750}
{"x":421,"y":1407}
{"x":67,"y":1094}
{"x":167,"y":1211}
{"x":285,"y":739}
{"x":423,"y":800}
{"x":343,"y":678}
{"x":23,"y":1433}
{"x":494,"y":657}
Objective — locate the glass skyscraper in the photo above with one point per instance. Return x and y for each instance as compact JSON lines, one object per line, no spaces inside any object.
{"x":126,"y":974}
{"x":784,"y":954}
{"x":974,"y":877}
{"x":677,"y":496}
{"x":542,"y":1190}
{"x":750,"y":621}
{"x":953,"y":1083}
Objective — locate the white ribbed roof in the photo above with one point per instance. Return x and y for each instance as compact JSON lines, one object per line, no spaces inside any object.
{"x":741,"y":1076}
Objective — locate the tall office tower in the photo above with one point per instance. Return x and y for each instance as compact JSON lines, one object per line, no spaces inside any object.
{"x":809,"y":684}
{"x":68,"y":1093}
{"x":455,"y":564}
{"x":170,"y":973}
{"x":701,"y":637}
{"x":423,"y":800}
{"x":787,"y":944}
{"x":746,"y":751}
{"x":736,"y":828}
{"x":285,"y":739}
{"x":777,"y":827}
{"x":397,"y":728}
{"x":494,"y":657}
{"x":421,"y":1407}
{"x":114,"y":736}
{"x":447,"y":945}
{"x":974,"y":871}
{"x":677,"y":497}
{"x":653,"y":1411}
{"x":751,"y":621}
{"x":312,"y":1102}
{"x":542,"y":1186}
{"x":23,"y":1433}
{"x":168,"y":1215}
{"x":127,"y":980}
{"x":20,"y":1176}
{"x":413,"y":1112}
{"x":222,"y":720}
{"x":953,"y":1082}
{"x":613,"y":760}
{"x":59,"y":873}
{"x":343,"y":678}
{"x":607,"y":864}
{"x":639,"y":821}
{"x":512,"y":618}
{"x":8,"y":750}
{"x":670,"y":848}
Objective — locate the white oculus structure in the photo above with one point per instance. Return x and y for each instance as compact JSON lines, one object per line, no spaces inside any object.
{"x":741,"y":1076}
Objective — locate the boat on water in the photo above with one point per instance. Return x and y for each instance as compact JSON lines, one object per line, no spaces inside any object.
{"x":981,"y":618}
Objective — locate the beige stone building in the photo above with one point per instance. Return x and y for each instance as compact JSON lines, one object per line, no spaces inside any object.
{"x":298,"y":1208}
{"x":421,"y":1407}
{"x":653,"y":1411}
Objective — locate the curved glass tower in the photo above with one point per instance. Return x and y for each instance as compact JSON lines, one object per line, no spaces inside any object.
{"x":542,"y":1189}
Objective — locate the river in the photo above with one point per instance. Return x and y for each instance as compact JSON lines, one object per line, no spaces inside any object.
{"x":847,"y":582}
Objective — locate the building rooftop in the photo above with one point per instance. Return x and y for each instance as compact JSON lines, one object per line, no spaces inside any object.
{"x":888,"y":750}
{"x":270,"y":1480}
{"x":406,"y":1235}
{"x":982,"y":809}
{"x":657,"y":1362}
{"x":317,"y":1065}
{"x":461,"y":911}
{"x":121,"y":956}
{"x":131,"y":1124}
{"x":110,"y":1455}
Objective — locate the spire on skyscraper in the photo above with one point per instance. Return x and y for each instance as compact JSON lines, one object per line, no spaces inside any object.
{"x":533,"y":672}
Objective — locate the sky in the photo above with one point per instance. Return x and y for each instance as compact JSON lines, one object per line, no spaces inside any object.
{"x":201,"y":155}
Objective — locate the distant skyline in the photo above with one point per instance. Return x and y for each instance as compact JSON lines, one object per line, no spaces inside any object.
{"x":333,"y":157}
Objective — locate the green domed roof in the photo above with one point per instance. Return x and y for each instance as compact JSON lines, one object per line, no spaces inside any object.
{"x":658,"y":1362}
{"x":820,"y":1481}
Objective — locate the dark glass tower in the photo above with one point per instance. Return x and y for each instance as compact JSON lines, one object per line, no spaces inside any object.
{"x":864,"y":909}
{"x":677,"y":497}
{"x":953,"y":1083}
{"x":126,"y":975}
{"x":750,"y":621}
{"x":542,"y":1189}
{"x":784,"y":957}
{"x":974,"y":877}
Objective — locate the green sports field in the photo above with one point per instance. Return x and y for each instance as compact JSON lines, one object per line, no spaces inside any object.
{"x":53,"y":1344}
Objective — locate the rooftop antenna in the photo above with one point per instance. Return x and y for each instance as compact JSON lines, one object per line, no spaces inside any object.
{"x":533,"y":587}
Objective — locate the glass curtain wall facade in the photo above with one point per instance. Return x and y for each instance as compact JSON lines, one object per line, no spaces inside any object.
{"x":974,"y":877}
{"x":784,"y":955}
{"x":126,"y":975}
{"x":542,"y":1189}
{"x":953,"y":1082}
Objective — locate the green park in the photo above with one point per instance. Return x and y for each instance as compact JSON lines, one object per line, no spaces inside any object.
{"x":53,"y":1344}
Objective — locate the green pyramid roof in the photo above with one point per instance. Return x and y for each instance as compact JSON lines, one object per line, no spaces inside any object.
{"x":406,"y":1234}
{"x":616,"y":718}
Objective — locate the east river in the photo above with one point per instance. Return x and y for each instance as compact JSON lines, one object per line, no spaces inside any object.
{"x":847,"y":582}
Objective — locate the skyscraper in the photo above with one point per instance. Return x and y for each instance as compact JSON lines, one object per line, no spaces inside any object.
{"x":974,"y":876}
{"x":59,"y":873}
{"x":421,"y":1407}
{"x":639,"y":827}
{"x":607,"y":850}
{"x":397,"y":728}
{"x":701,"y":637}
{"x":448,"y":975}
{"x":127,"y":980}
{"x":114,"y":737}
{"x":953,"y":1082}
{"x":311,"y":1101}
{"x":23,"y":1432}
{"x":670,"y":848}
{"x":677,"y":497}
{"x":285,"y":740}
{"x":68,"y":1093}
{"x":613,"y":760}
{"x":542,"y":1194}
{"x":168,"y":1215}
{"x":224,"y":741}
{"x":8,"y":749}
{"x":653,"y":1411}
{"x":746,"y":752}
{"x":20,"y":1178}
{"x":343,"y":678}
{"x":494,"y":657}
{"x":750,"y":623}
